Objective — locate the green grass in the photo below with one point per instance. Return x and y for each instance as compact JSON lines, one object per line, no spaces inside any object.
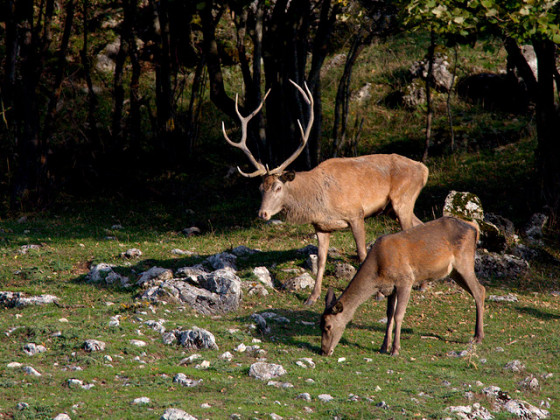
{"x":494,"y":160}
{"x":421,"y":382}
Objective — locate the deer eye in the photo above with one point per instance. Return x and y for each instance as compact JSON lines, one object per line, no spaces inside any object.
{"x":277,"y":188}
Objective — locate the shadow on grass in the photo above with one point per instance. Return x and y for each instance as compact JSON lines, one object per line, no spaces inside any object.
{"x":537,"y":313}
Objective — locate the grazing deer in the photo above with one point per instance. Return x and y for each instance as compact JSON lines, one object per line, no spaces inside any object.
{"x":439,"y":248}
{"x":337,"y":194}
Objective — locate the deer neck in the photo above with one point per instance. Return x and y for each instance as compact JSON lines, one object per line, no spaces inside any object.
{"x":304,"y":198}
{"x":361,"y":288}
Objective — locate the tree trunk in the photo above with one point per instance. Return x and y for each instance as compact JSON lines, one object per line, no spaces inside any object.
{"x":429,"y":110}
{"x":548,"y":127}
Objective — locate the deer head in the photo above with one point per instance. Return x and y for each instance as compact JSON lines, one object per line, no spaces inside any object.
{"x":332,"y":324}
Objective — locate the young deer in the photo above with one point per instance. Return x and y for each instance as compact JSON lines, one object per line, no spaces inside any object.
{"x":440,"y":248}
{"x":337,"y":194}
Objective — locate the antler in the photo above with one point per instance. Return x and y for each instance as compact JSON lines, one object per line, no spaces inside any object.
{"x":308,"y":97}
{"x":261,"y":169}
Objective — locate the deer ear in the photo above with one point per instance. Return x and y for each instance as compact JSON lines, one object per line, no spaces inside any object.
{"x":288,"y":176}
{"x":338,"y":308}
{"x":330,"y":298}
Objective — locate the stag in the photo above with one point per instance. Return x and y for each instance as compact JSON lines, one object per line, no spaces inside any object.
{"x":395,"y":263}
{"x":338,"y":193}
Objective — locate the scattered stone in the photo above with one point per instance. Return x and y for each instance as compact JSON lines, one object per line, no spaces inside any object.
{"x":104,"y":273}
{"x":13,"y":365}
{"x":510,"y":297}
{"x":191,"y":231}
{"x":344,"y":271}
{"x":306,"y":362}
{"x":169,"y":337}
{"x":308,"y":250}
{"x":325,"y":397}
{"x":141,"y":401}
{"x":521,"y":409}
{"x":255,"y":289}
{"x":176,"y":414}
{"x":156,"y":325}
{"x":524,"y":410}
{"x":131,"y":253}
{"x":22,"y":406}
{"x":261,"y":323}
{"x":196,"y":338}
{"x":263,"y":275}
{"x":299,"y":283}
{"x":277,"y":384}
{"x":77,"y":383}
{"x":220,"y":292}
{"x":177,"y":251}
{"x":138,"y":343}
{"x":266,"y":371}
{"x":222,"y":260}
{"x":514,"y":366}
{"x":413,"y":96}
{"x":534,"y":228}
{"x":458,"y":354}
{"x":362,"y":95}
{"x":353,"y":398}
{"x":18,"y":299}
{"x":94,"y":345}
{"x":243,"y":251}
{"x":475,"y":411}
{"x":275,"y":317}
{"x":62,"y":416}
{"x":190,"y":359}
{"x":191,"y":274}
{"x":383,"y":405}
{"x":530,"y":382}
{"x":490,"y":264}
{"x":154,"y":276}
{"x":114,"y":321}
{"x":31,"y":371}
{"x":304,"y":396}
{"x":204,"y":365}
{"x":32,"y":349}
{"x":341,"y":359}
{"x":24,"y":249}
{"x":183,"y":380}
{"x":226,"y":356}
{"x":442,"y":78}
{"x":464,"y":205}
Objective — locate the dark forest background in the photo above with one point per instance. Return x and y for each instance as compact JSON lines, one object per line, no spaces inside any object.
{"x":101,"y":95}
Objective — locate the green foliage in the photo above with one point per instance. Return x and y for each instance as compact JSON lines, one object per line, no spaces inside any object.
{"x":521,"y":19}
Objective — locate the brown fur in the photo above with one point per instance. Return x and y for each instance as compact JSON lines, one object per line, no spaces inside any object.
{"x":340,"y":193}
{"x":395,"y":263}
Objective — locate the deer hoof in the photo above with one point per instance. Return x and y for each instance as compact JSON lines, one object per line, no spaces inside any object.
{"x":310,"y":302}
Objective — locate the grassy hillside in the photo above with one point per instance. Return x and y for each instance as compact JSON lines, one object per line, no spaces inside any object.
{"x":494,"y":161}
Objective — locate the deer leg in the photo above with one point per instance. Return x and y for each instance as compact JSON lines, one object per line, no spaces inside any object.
{"x":468,"y":281}
{"x":359,"y":231}
{"x":403,"y":294}
{"x":391,"y":302}
{"x":323,"y":243}
{"x":404,"y":208}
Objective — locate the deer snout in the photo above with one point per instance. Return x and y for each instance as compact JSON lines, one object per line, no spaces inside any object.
{"x":265,"y":215}
{"x":327,"y":353}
